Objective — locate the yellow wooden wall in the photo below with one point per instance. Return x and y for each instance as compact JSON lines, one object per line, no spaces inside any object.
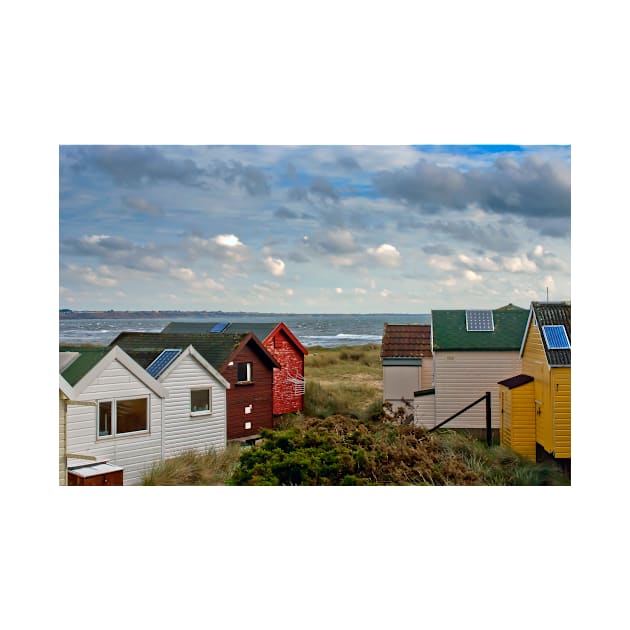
{"x":552,"y":396}
{"x":560,"y":385}
{"x":518,"y":423}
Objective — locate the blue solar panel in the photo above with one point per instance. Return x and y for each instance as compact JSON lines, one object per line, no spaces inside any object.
{"x":556,"y":337}
{"x":220,"y":327}
{"x":162,"y":361}
{"x":479,"y":321}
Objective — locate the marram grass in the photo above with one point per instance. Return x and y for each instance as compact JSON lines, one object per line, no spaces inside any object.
{"x":211,"y":468}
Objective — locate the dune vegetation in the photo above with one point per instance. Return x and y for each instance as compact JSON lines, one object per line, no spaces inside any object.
{"x":346,"y":437}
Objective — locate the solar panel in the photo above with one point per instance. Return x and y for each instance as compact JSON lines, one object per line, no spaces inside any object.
{"x":220,"y":327}
{"x":479,"y":321}
{"x":556,"y":337}
{"x":162,"y":361}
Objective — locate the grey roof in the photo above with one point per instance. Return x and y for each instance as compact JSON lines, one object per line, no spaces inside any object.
{"x":215,"y":349}
{"x":554,"y":314}
{"x":261,"y":329}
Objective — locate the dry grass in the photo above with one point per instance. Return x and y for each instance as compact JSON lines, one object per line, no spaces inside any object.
{"x":345,"y":380}
{"x":211,"y":468}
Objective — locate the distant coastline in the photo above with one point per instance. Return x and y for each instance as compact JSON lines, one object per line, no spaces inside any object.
{"x":65,"y":313}
{"x":69,"y":314}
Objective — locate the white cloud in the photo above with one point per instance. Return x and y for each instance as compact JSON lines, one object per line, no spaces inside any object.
{"x":275,"y":266}
{"x":481,"y":263}
{"x":92,"y":277}
{"x":183,"y":273}
{"x":338,"y":290}
{"x":519,"y":263}
{"x":359,"y":291}
{"x":441,"y":263}
{"x":469,"y":274}
{"x":385,"y":254}
{"x":224,"y":246}
{"x":227,"y":240}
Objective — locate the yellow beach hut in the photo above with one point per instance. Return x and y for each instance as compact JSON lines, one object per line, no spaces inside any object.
{"x":544,"y":402}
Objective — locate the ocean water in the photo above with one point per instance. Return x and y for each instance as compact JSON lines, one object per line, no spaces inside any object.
{"x":323,"y":330}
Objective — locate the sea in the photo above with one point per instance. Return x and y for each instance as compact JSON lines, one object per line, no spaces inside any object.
{"x":324,"y":330}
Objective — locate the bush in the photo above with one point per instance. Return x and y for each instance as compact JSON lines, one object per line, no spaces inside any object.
{"x":344,"y":451}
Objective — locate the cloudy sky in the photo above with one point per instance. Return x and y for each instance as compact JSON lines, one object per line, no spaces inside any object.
{"x":313,"y":228}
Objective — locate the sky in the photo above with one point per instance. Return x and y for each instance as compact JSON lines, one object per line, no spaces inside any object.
{"x":313,"y":228}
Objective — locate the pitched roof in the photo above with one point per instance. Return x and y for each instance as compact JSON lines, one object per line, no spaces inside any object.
{"x":90,"y":362}
{"x":449,"y":330}
{"x":216,"y":349}
{"x":406,"y":341}
{"x":79,"y":361}
{"x":262,"y":330}
{"x":553,"y":314}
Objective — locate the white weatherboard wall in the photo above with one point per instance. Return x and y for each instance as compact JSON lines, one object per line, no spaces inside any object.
{"x":134,"y":452}
{"x":183,"y":431}
{"x":62,"y":439}
{"x":460,"y":378}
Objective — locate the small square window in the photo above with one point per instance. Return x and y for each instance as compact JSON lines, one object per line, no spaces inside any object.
{"x":200,"y":400}
{"x":244,"y":372}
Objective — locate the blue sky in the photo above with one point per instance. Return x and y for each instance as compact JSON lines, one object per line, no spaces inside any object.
{"x":313,"y":228}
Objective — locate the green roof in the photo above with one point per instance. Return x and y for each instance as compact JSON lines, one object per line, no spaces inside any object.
{"x":449,"y":330}
{"x":87,"y":359}
{"x":144,"y":347}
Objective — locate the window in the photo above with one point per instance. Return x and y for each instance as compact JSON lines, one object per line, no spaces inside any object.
{"x":200,"y":400}
{"x":117,"y":417}
{"x":244,"y":373}
{"x":105,"y":418}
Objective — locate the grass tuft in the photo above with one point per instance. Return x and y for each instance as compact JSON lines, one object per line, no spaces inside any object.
{"x":190,"y":468}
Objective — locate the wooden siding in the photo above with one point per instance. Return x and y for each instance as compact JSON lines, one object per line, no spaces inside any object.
{"x":286,"y":399}
{"x":552,"y":393}
{"x":426,"y":374}
{"x":518,"y":419}
{"x":182,"y":431}
{"x":560,"y":384}
{"x":63,"y":480}
{"x":258,"y":395}
{"x":135,"y":453}
{"x":460,"y":378}
{"x":424,"y":411}
{"x":400,"y":381}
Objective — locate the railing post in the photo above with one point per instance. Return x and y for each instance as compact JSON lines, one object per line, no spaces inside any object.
{"x":488,"y":420}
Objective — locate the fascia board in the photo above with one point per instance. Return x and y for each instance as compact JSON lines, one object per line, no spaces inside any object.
{"x":118,"y":354}
{"x":190,"y":351}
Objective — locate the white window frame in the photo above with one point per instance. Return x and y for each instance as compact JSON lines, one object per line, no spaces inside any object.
{"x":114,"y":427}
{"x":250,"y":371}
{"x":203,"y":412}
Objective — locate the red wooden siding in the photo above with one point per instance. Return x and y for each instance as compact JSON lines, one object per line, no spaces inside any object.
{"x":286,"y":397}
{"x":258,"y":394}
